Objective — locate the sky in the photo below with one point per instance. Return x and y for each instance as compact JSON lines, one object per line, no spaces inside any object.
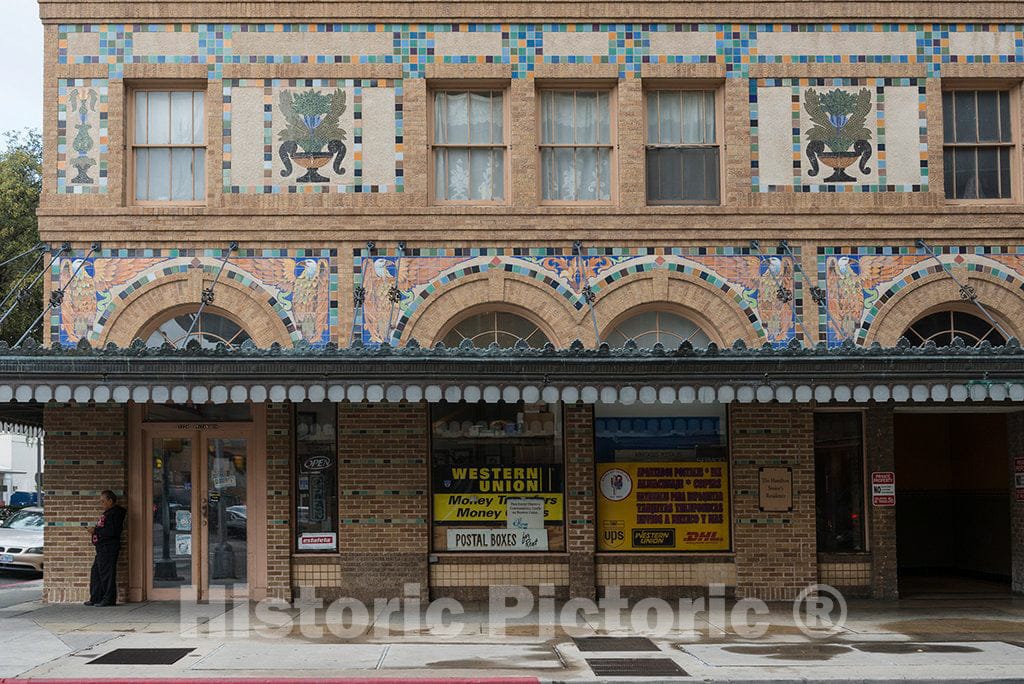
{"x":21,"y":51}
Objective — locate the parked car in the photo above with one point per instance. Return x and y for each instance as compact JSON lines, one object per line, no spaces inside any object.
{"x":21,"y":541}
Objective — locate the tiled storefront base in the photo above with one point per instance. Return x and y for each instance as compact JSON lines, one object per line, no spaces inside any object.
{"x":850,"y":574}
{"x":469,"y":578}
{"x":667,"y":576}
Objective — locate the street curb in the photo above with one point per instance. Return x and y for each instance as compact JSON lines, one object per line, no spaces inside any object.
{"x":278,"y":680}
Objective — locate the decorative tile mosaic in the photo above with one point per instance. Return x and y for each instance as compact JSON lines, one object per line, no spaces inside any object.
{"x":858,"y":281}
{"x":838,"y":133}
{"x":305,"y":145}
{"x":82,"y":140}
{"x":414,"y":46}
{"x":764,"y":288}
{"x":300,"y":285}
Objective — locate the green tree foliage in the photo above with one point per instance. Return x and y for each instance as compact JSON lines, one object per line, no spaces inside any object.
{"x":21,"y":161}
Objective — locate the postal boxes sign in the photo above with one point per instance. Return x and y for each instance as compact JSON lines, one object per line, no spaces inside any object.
{"x":501,"y":508}
{"x":883,"y":489}
{"x":663,"y":506}
{"x":524,"y":530}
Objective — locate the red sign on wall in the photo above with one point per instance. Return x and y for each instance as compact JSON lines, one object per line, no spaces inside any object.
{"x":883,"y":489}
{"x":1018,"y":478}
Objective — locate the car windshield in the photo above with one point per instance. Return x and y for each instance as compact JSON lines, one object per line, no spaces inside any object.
{"x":24,"y":520}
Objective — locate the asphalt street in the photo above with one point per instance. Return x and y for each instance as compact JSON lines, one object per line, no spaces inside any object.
{"x":19,"y":587}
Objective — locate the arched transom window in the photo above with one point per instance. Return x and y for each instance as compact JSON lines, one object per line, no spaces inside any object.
{"x":650,"y":327}
{"x":210,"y":329}
{"x":495,"y":326}
{"x":942,"y":326}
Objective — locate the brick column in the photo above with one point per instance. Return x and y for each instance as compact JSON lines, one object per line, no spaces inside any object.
{"x":1015,"y":441}
{"x":776,"y":553}
{"x":85,"y":453}
{"x":880,"y":455}
{"x":384,"y":484}
{"x":580,"y":504}
{"x":279,"y":500}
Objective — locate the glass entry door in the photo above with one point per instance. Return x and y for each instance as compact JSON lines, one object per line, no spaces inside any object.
{"x":199,"y":497}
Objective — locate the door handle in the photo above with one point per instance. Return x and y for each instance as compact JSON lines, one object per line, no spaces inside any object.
{"x":205,"y":509}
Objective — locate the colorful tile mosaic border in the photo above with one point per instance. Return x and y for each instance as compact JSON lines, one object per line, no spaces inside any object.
{"x":356,"y":140}
{"x":858,"y":281}
{"x":522,"y":45}
{"x":878,"y":86}
{"x":128,"y":270}
{"x":739,"y":272}
{"x":100,"y":144}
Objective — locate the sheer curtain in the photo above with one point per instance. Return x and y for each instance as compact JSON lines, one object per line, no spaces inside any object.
{"x":576,"y":145}
{"x":469,"y":154}
{"x":682,"y":152}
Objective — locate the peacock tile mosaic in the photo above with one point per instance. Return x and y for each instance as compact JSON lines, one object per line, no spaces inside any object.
{"x":766,"y":288}
{"x":82,"y":140}
{"x":838,"y":135}
{"x":313,"y":136}
{"x":301,"y":286}
{"x":629,"y":45}
{"x":858,"y":281}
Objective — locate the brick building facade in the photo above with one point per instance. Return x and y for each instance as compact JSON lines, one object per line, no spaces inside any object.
{"x":678,"y":174}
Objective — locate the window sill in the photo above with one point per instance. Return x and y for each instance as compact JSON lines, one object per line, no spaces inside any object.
{"x":981,"y":202}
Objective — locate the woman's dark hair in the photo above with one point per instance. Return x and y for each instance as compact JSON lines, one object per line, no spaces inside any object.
{"x":109,"y":495}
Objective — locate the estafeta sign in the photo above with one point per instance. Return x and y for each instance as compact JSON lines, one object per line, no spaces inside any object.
{"x":484,"y":539}
{"x":318,"y":541}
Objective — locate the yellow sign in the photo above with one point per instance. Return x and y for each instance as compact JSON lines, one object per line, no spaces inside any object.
{"x":488,"y":507}
{"x":663,"y":506}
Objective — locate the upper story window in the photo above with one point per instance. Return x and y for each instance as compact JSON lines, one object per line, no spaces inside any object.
{"x":168,"y":146}
{"x":469,"y":146}
{"x":682,"y":147}
{"x":576,"y":145}
{"x":978,"y":144}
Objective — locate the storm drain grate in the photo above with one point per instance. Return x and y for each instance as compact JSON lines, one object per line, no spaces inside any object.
{"x":142,"y":656}
{"x":611,"y":643}
{"x":635,"y":667}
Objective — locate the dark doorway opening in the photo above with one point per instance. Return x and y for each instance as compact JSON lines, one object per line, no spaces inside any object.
{"x":952,"y":504}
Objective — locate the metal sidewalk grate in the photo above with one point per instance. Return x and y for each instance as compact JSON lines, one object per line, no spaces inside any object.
{"x":635,"y":667}
{"x":142,"y":656}
{"x":607,"y":644}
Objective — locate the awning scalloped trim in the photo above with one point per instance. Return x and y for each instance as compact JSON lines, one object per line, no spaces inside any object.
{"x":666,"y":393}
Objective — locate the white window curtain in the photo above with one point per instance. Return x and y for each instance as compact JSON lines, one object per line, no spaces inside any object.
{"x":168,"y":143}
{"x":469,"y":153}
{"x":576,"y":147}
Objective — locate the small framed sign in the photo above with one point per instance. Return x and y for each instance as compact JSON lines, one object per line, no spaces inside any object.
{"x":883,"y":488}
{"x":775,"y":489}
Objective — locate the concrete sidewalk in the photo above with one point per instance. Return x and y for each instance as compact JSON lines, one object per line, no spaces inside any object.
{"x":947,"y":640}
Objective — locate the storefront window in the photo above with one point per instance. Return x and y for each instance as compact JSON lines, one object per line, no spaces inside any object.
{"x":839,"y":481}
{"x":316,"y":478}
{"x":497,"y":477}
{"x":663,"y":479}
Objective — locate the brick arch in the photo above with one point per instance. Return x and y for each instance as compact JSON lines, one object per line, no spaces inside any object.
{"x":168,"y":295}
{"x":933,"y":292}
{"x":721,"y":315}
{"x":556,"y":316}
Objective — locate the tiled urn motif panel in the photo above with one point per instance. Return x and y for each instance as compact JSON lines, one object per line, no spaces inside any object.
{"x":749,"y":281}
{"x":299,"y":285}
{"x":313,"y":135}
{"x":838,"y":135}
{"x":82,"y":135}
